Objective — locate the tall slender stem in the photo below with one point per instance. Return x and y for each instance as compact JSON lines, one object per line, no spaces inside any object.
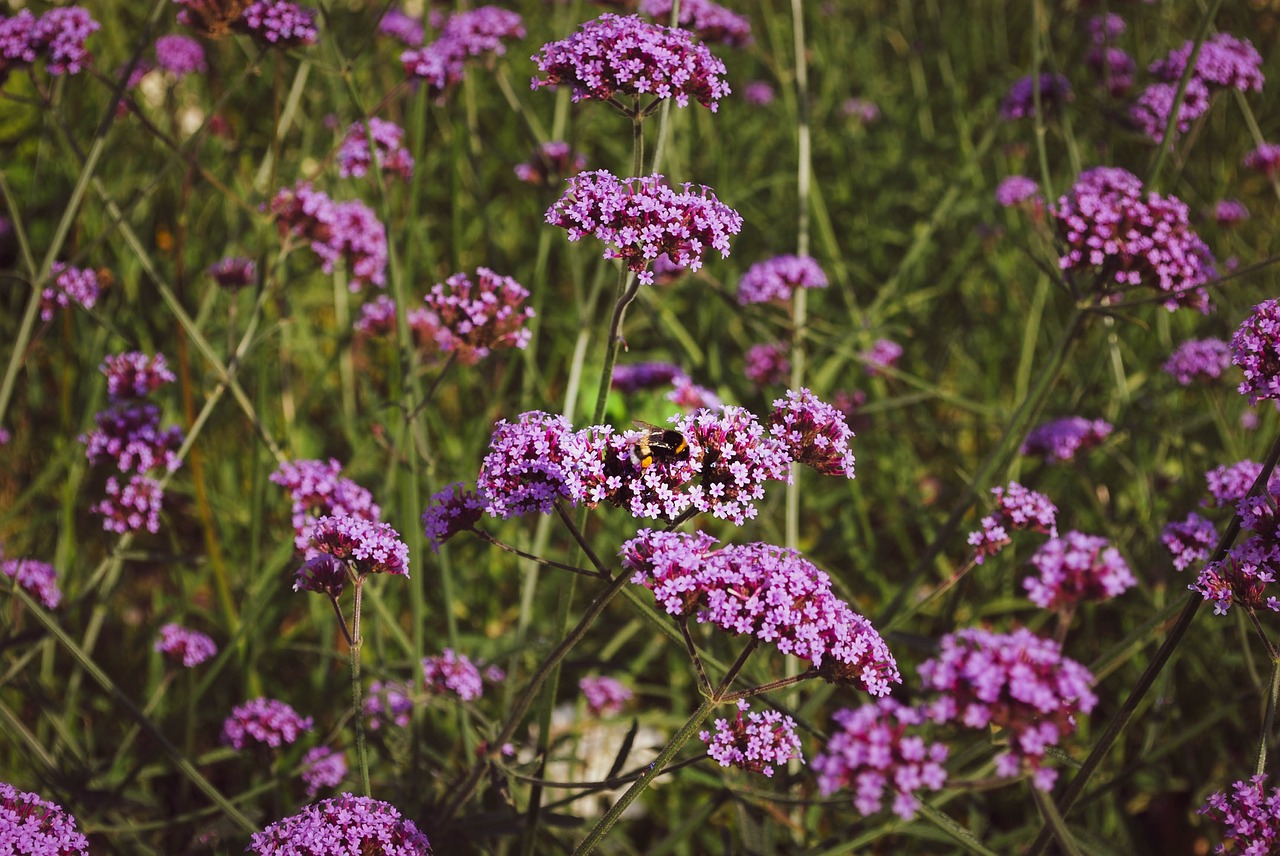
{"x":357,"y":641}
{"x":1269,"y":718}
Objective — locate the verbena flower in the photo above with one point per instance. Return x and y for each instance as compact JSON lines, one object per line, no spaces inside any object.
{"x":534,"y":461}
{"x":1015,"y":190}
{"x":1224,"y":61}
{"x":1250,"y":817}
{"x":322,"y":574}
{"x":709,"y":21}
{"x":1017,"y":508}
{"x":1104,"y":29}
{"x":234,"y":272}
{"x":370,"y":547}
{"x":884,"y":354}
{"x":735,"y":457}
{"x":759,"y":744}
{"x":689,"y":395}
{"x":279,"y":24}
{"x":1242,"y":577}
{"x":405,"y":29}
{"x":1229,"y":483}
{"x":184,"y":645}
{"x":775,"y":280}
{"x":130,"y":436}
{"x":874,"y":754}
{"x":450,"y":511}
{"x":766,"y":364}
{"x":1020,"y":103}
{"x":1229,"y":212}
{"x":378,"y":318}
{"x":452,"y":673}
{"x":31,"y":825}
{"x":632,"y":377}
{"x":388,"y":144}
{"x":470,"y":319}
{"x":347,"y":231}
{"x":1114,"y":68}
{"x":1108,"y":225}
{"x":1076,"y":568}
{"x":70,"y":285}
{"x":388,"y":701}
{"x":317,"y":490}
{"x":642,"y":218}
{"x":550,"y":163}
{"x":131,"y":508}
{"x":1060,"y":439}
{"x":768,"y":592}
{"x":758,"y":93}
{"x":1015,"y":681}
{"x":60,"y":35}
{"x":134,"y":374}
{"x":472,"y":33}
{"x":604,"y":695}
{"x":180,"y":55}
{"x":814,"y":432}
{"x":37,"y":578}
{"x":263,"y":721}
{"x":1265,"y":159}
{"x":1198,"y":358}
{"x":1154,"y":106}
{"x":1189,"y":541}
{"x":1255,"y":348}
{"x":342,"y":826}
{"x":614,"y":57}
{"x":322,"y":767}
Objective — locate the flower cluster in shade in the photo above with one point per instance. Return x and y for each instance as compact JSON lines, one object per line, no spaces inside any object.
{"x":1224,"y":62}
{"x":767,"y":592}
{"x":38,"y":579}
{"x":184,"y":645}
{"x":1198,"y":358}
{"x":1020,"y":103}
{"x":1229,"y":212}
{"x":405,"y":29}
{"x":774,"y":280}
{"x":1248,"y":815}
{"x":469,"y":319}
{"x":1076,"y":568}
{"x":336,"y":231}
{"x":1017,"y":509}
{"x":883,"y":354}
{"x":643,"y":218}
{"x":1129,"y":239}
{"x":1255,"y":348}
{"x":1015,"y":190}
{"x":180,"y":55}
{"x":388,"y":146}
{"x":473,"y":33}
{"x":709,"y":21}
{"x":875,"y":753}
{"x":133,"y":374}
{"x":31,"y":825}
{"x":604,"y":695}
{"x":1189,"y":541}
{"x":1061,"y":439}
{"x":265,"y":722}
{"x":1230,"y":483}
{"x":233,"y":272}
{"x":1113,"y":66}
{"x":279,"y":24}
{"x":343,"y":826}
{"x":550,"y":163}
{"x":452,"y":673}
{"x":1015,"y":681}
{"x":388,"y":701}
{"x":57,"y":38}
{"x":322,"y":767}
{"x":317,"y":490}
{"x":365,"y":546}
{"x":758,"y":743}
{"x":70,"y":285}
{"x":814,"y":432}
{"x":614,"y":58}
{"x":767,"y":364}
{"x":759,"y":93}
{"x":1264,"y":159}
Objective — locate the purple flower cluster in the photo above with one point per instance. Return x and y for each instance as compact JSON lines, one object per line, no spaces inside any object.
{"x":317,"y":490}
{"x":1229,"y":212}
{"x":632,"y":377}
{"x":1250,"y":817}
{"x":322,"y":574}
{"x":1152,"y":109}
{"x":736,"y":456}
{"x":550,"y":163}
{"x":129,"y":435}
{"x":1060,"y":439}
{"x":616,"y":56}
{"x":1242,"y":577}
{"x":814,"y":432}
{"x":322,"y":767}
{"x":534,"y":461}
{"x":336,"y":230}
{"x":759,"y":744}
{"x":689,"y":395}
{"x":766,"y":364}
{"x":470,"y":319}
{"x":1207,"y":358}
{"x":768,"y":592}
{"x":1224,"y":62}
{"x":472,"y":33}
{"x":758,"y":93}
{"x":604,"y":695}
{"x":70,"y":285}
{"x":1016,"y":681}
{"x":133,"y":374}
{"x":1189,"y":541}
{"x":405,"y":29}
{"x":774,"y":280}
{"x":884,"y":354}
{"x":57,"y":37}
{"x":378,"y":318}
{"x":1229,"y":483}
{"x":450,"y":511}
{"x":279,"y":24}
{"x":873,"y":754}
{"x":29,"y":824}
{"x":388,"y":701}
{"x":39,"y":579}
{"x":180,"y":55}
{"x":367,"y":546}
{"x":452,"y":673}
{"x":132,"y":507}
{"x":862,"y":109}
{"x":1107,"y":224}
{"x":709,"y":21}
{"x":388,"y":146}
{"x":1015,"y":190}
{"x":1076,"y":568}
{"x":233,"y":272}
{"x":264,"y":721}
{"x":184,"y":645}
{"x":642,"y":218}
{"x":1255,"y":348}
{"x":342,"y":826}
{"x":1020,"y":103}
{"x":1264,"y":159}
{"x":1017,"y":508}
{"x":1114,"y":67}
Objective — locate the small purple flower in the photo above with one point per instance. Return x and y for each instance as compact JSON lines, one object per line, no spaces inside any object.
{"x":279,"y":24}
{"x":29,"y":824}
{"x":470,"y":319}
{"x":1015,"y":190}
{"x":318,"y":491}
{"x":37,"y":578}
{"x":1244,"y":577}
{"x":690,"y":396}
{"x":1076,"y":568}
{"x":1249,"y":817}
{"x":642,"y":218}
{"x":1018,"y":508}
{"x":343,"y":826}
{"x":184,"y":645}
{"x":180,"y":55}
{"x":322,"y":574}
{"x":1229,"y":483}
{"x":1020,"y":103}
{"x":263,"y":721}
{"x":551,"y":162}
{"x":450,"y":511}
{"x":862,"y":109}
{"x":534,"y":461}
{"x":1189,"y":541}
{"x":130,"y":436}
{"x":322,"y":767}
{"x":775,"y":280}
{"x":1155,"y":104}
{"x":759,"y":93}
{"x":1264,"y":159}
{"x":133,"y":374}
{"x":233,"y":272}
{"x":604,"y":695}
{"x":131,"y":508}
{"x":472,"y":33}
{"x":1105,"y":29}
{"x":815,"y":433}
{"x":735,"y":457}
{"x":347,"y":231}
{"x":60,"y":34}
{"x":759,"y":744}
{"x":1198,"y":358}
{"x":453,"y":673}
{"x":884,"y":354}
{"x":70,"y":285}
{"x":388,"y":144}
{"x":1060,"y":439}
{"x":1224,"y":61}
{"x":766,"y":364}
{"x":632,"y":377}
{"x":18,"y":47}
{"x":388,"y":701}
{"x":1255,"y":348}
{"x":1230,"y":212}
{"x":1114,"y":68}
{"x":370,"y":547}
{"x":403,"y":28}
{"x":709,"y":21}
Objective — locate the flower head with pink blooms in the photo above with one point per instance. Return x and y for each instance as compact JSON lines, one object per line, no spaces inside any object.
{"x":132,"y":507}
{"x":388,"y":702}
{"x":405,"y":29}
{"x":264,"y":721}
{"x":180,"y":55}
{"x":775,"y":280}
{"x":709,"y":21}
{"x":1060,"y":439}
{"x":184,"y":645}
{"x":1230,"y":212}
{"x":38,"y":579}
{"x":604,"y":695}
{"x":279,"y":24}
{"x":452,"y":673}
{"x":1015,"y":190}
{"x":57,"y":37}
{"x":767,"y":364}
{"x":1264,"y":159}
{"x":1189,"y":541}
{"x":470,"y":319}
{"x":535,"y":461}
{"x":369,"y":547}
{"x":343,"y":826}
{"x":70,"y":285}
{"x":815,"y":432}
{"x":134,"y":374}
{"x":317,"y":490}
{"x":335,"y":231}
{"x":1076,"y":568}
{"x":551,"y":162}
{"x":881,"y":356}
{"x":1198,"y":358}
{"x":735,"y":456}
{"x":760,"y":743}
{"x":467,"y":34}
{"x":1255,"y":348}
{"x":31,"y":825}
{"x":322,"y":767}
{"x":450,"y":511}
{"x":1017,"y":508}
{"x":1020,"y":103}
{"x":1248,"y":815}
{"x":388,"y":148}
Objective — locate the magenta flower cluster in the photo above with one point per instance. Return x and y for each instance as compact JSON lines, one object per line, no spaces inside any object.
{"x":322,"y":767}
{"x":1244,"y":577}
{"x":1020,"y":103}
{"x":767,"y":364}
{"x":70,"y":285}
{"x":450,"y":511}
{"x":604,"y":695}
{"x":815,"y":433}
{"x":29,"y":824}
{"x":1229,"y":212}
{"x":57,"y":37}
{"x":367,"y":546}
{"x":388,"y":701}
{"x":1255,"y":348}
{"x":129,"y":435}
{"x":768,"y":592}
{"x":473,"y":33}
{"x":874,"y":754}
{"x":1189,"y":541}
{"x":1250,"y":817}
{"x":709,"y":21}
{"x":180,"y":55}
{"x":1015,"y":190}
{"x":347,"y":231}
{"x":263,"y":721}
{"x":317,"y":490}
{"x":1198,"y":358}
{"x":550,"y":163}
{"x":470,"y":319}
{"x":1264,"y":159}
{"x":342,"y":826}
{"x":691,"y":396}
{"x":775,"y":280}
{"x":1015,"y":681}
{"x":633,"y":377}
{"x":184,"y":645}
{"x":405,"y":29}
{"x":233,"y":272}
{"x":760,"y":743}
{"x":534,"y":461}
{"x":736,"y":456}
{"x":1060,"y":439}
{"x":1229,"y":483}
{"x":1076,"y":568}
{"x":38,"y":579}
{"x":133,"y":374}
{"x":1017,"y":508}
{"x":452,"y":673}
{"x":1224,"y":62}
{"x":642,"y":218}
{"x":388,"y":145}
{"x":1109,"y":226}
{"x":279,"y":24}
{"x":883,"y":354}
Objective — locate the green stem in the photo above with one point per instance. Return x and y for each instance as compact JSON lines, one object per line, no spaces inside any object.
{"x":1269,"y":718}
{"x":357,"y":642}
{"x":626,"y":294}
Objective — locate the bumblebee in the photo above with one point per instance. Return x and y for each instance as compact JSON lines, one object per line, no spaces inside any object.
{"x":658,"y":444}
